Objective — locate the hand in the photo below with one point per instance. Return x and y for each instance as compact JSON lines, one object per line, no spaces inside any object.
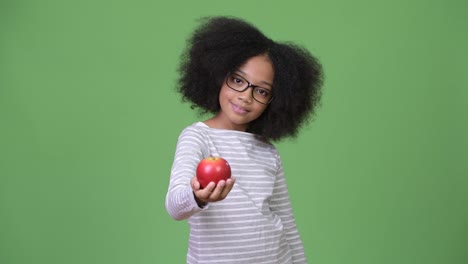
{"x":212,"y":192}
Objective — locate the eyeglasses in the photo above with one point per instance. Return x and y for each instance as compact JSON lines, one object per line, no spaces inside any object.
{"x":260,"y":94}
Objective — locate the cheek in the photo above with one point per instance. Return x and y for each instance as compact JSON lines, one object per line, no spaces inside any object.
{"x":221,"y":94}
{"x":225,"y":94}
{"x":260,"y":110}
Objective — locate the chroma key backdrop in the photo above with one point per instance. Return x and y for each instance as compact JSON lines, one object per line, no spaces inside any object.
{"x":89,"y":119}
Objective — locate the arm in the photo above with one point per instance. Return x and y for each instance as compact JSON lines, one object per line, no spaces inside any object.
{"x":180,"y":200}
{"x":281,"y":205}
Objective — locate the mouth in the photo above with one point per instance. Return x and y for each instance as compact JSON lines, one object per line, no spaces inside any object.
{"x":238,"y":109}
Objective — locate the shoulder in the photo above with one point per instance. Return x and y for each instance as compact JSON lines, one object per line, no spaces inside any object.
{"x":193,"y":135}
{"x":193,"y":141}
{"x":265,"y":148}
{"x":194,"y":130}
{"x":266,"y":144}
{"x":274,"y":152}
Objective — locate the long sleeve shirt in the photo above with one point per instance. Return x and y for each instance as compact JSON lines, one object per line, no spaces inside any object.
{"x":254,"y":223}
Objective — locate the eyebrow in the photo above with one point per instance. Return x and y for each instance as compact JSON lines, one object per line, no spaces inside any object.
{"x":267,"y":83}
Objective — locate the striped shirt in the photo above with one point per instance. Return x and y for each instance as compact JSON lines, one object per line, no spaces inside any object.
{"x":254,"y":223}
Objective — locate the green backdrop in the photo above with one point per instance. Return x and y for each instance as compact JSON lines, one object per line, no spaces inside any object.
{"x":89,"y":121}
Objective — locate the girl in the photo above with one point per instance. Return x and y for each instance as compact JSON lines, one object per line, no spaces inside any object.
{"x":258,"y":91}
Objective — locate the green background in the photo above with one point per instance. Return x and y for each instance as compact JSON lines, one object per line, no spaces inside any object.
{"x":89,"y":121}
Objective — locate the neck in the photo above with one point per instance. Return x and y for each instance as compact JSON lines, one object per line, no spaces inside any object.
{"x":220,"y":123}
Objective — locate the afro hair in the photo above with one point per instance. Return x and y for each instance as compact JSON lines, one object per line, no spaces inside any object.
{"x":220,"y":45}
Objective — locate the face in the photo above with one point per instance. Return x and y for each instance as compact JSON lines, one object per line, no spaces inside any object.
{"x":238,"y":109}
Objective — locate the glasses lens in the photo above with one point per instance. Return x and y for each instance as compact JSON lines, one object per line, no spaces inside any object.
{"x":237,"y":83}
{"x":263,"y":95}
{"x":260,"y":94}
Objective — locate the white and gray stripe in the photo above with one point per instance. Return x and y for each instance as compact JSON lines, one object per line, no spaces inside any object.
{"x":254,"y":224}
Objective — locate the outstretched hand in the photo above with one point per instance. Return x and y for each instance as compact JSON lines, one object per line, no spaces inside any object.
{"x":212,"y":192}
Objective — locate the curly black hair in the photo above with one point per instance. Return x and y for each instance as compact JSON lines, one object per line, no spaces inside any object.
{"x":221,"y":45}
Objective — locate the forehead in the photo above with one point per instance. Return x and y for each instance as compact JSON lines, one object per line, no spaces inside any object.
{"x":258,"y":70}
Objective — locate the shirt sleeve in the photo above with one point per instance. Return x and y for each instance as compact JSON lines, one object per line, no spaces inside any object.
{"x":281,"y":205}
{"x":180,"y":200}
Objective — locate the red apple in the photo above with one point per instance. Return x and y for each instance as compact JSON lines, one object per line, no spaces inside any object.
{"x":212,"y":169}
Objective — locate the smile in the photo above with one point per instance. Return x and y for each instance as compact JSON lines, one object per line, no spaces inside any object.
{"x":239,"y":110}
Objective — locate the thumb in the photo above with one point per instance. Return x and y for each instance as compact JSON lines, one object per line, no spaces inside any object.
{"x":195,"y":184}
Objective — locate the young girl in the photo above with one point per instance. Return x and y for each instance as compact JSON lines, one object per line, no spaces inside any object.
{"x":258,"y":91}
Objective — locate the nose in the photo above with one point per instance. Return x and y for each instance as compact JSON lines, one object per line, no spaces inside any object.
{"x":246,"y":95}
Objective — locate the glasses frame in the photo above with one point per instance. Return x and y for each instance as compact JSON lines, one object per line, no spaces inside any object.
{"x":248,"y":86}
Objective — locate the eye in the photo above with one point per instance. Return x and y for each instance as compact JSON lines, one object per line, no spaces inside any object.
{"x":237,"y":80}
{"x":263,"y":92}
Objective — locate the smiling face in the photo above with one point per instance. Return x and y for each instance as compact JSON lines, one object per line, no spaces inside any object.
{"x":238,"y":109}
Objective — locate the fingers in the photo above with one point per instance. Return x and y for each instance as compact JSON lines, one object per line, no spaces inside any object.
{"x":213,"y":192}
{"x":205,"y":193}
{"x":216,"y":194}
{"x":228,"y":187}
{"x":195,"y":184}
